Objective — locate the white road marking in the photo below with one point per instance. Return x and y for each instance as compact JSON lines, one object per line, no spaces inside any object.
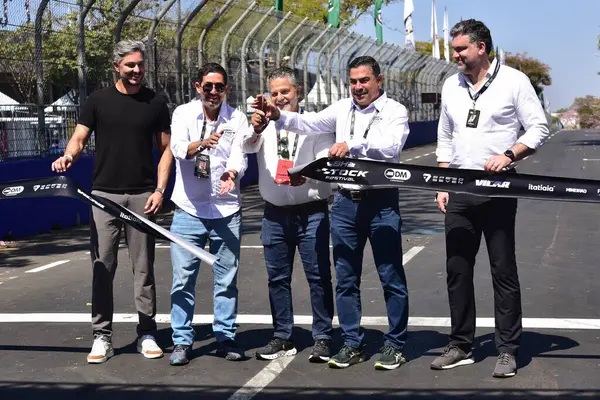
{"x":411,"y":253}
{"x":591,"y":159}
{"x":44,"y":267}
{"x":259,"y":381}
{"x":265,"y":319}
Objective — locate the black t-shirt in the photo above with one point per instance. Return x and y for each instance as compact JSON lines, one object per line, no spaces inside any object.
{"x":124,"y":127}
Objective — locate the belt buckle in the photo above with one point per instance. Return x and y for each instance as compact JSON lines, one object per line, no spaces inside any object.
{"x":356,"y":195}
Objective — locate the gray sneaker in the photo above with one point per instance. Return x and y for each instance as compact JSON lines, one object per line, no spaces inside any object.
{"x":451,"y":358}
{"x":506,"y":366}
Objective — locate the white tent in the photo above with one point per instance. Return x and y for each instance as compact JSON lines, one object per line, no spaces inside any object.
{"x":312,"y":95}
{"x":66,"y":101}
{"x":7,"y":103}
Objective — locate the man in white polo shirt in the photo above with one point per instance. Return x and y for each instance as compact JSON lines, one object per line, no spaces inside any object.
{"x":369,"y":125}
{"x":483,"y":109}
{"x":296,"y":215}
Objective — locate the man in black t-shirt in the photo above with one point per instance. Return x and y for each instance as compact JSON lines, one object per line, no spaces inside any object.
{"x":125,"y":118}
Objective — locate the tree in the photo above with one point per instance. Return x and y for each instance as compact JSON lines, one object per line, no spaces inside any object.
{"x":588,"y":108}
{"x":537,"y":72}
{"x":427,"y":48}
{"x":561,"y":110}
{"x":316,"y":10}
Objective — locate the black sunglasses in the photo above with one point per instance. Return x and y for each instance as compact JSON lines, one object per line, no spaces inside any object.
{"x":208,"y":87}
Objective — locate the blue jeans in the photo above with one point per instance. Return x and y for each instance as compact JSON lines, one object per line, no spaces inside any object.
{"x":377,"y":218}
{"x":224,"y":235}
{"x":304,"y":226}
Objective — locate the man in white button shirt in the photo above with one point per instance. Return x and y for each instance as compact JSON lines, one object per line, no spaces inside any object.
{"x":367,"y":126}
{"x":296,"y":215}
{"x":483,"y":108}
{"x":206,"y":141}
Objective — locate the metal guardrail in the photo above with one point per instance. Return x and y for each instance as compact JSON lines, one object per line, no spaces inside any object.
{"x":56,"y":46}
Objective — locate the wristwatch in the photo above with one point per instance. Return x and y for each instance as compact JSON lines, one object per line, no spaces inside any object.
{"x":160,"y":190}
{"x":509,"y":153}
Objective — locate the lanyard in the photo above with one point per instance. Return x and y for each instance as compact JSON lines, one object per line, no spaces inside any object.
{"x":485,"y":85}
{"x":284,"y":151}
{"x":368,"y":126}
{"x":203,"y":129}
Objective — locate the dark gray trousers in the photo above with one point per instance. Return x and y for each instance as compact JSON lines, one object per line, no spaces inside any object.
{"x":105,"y":232}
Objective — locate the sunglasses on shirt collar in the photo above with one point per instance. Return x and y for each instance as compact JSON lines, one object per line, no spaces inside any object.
{"x":208,"y":87}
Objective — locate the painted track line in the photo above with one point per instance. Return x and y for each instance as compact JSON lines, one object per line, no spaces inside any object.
{"x":259,"y":381}
{"x":44,"y":267}
{"x":265,"y":319}
{"x":411,"y":253}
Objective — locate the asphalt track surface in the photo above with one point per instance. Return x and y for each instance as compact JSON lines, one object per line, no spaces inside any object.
{"x":45,"y":333}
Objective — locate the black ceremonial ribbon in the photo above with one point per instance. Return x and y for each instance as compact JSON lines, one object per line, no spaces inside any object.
{"x":377,"y":174}
{"x":62,"y":186}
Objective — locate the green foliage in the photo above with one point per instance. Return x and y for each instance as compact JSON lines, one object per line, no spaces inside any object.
{"x":537,"y":72}
{"x":427,"y":49}
{"x":588,"y":108}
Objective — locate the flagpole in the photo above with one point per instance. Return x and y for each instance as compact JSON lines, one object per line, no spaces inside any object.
{"x":409,"y":39}
{"x":446,"y":36}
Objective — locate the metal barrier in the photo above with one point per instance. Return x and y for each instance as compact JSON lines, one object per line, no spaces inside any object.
{"x":52,"y":47}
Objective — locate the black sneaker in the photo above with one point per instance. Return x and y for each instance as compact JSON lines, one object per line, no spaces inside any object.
{"x":321,"y":351}
{"x":391,"y":358}
{"x":346,"y":357}
{"x":451,"y":358}
{"x":181,"y":354}
{"x":230,"y":350}
{"x":276,"y":348}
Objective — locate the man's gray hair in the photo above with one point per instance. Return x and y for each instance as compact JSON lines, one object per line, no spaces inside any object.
{"x":126,"y":47}
{"x":283,"y":72}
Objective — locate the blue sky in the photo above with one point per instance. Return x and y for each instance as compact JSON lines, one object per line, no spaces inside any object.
{"x":562,"y":34}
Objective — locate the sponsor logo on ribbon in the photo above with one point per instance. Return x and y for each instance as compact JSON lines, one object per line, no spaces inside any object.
{"x":496,"y":184}
{"x":394,"y":174}
{"x":576,"y":190}
{"x":49,"y":187}
{"x":540,"y":188}
{"x":443,"y":179}
{"x":12,"y":191}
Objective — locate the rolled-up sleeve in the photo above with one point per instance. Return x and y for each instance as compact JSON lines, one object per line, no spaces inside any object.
{"x":309,"y":123}
{"x":180,"y":137}
{"x":252,"y":141}
{"x":531,"y":115}
{"x":444,"y":134}
{"x":237,"y":160}
{"x":389,"y":142}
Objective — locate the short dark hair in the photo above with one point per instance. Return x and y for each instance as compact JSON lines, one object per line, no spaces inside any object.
{"x":283,"y":72}
{"x":367,"y":61}
{"x":477,"y":32}
{"x":209,"y":68}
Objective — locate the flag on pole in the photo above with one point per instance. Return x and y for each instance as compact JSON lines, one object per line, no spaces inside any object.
{"x":278,"y":5}
{"x":446,"y":36}
{"x":435,"y":49}
{"x":501,"y":57}
{"x":333,"y":14}
{"x":409,"y":38}
{"x":378,"y":21}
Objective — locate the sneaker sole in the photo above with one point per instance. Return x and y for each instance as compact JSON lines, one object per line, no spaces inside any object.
{"x":179,"y":363}
{"x":286,"y":353}
{"x":467,"y":361}
{"x":318,"y":359}
{"x":386,"y":367}
{"x":509,"y":375}
{"x":101,"y":360}
{"x":150,"y":355}
{"x":339,"y":365}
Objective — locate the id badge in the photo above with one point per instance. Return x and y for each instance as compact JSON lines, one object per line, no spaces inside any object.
{"x":281,"y":175}
{"x":473,"y":118}
{"x":202,"y":167}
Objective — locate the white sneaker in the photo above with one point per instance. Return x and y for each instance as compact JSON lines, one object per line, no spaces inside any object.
{"x":148,"y":347}
{"x":102,"y":350}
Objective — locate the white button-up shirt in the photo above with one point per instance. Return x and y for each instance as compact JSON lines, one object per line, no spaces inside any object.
{"x":386,"y":137}
{"x":200,"y":196}
{"x":309,"y":148}
{"x":509,"y":102}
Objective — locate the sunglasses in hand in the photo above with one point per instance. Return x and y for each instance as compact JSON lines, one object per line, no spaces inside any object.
{"x":208,"y":87}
